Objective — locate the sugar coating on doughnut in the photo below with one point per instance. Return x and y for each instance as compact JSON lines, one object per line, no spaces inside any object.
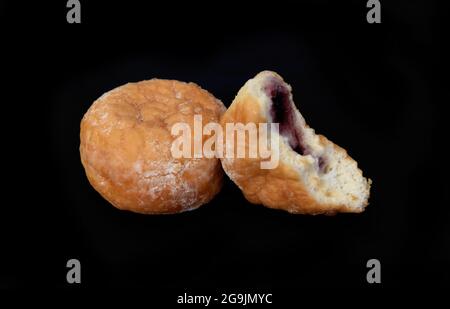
{"x":125,"y":142}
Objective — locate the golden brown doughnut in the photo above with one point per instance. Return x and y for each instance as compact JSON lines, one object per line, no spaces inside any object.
{"x":313,"y":175}
{"x":125,"y":147}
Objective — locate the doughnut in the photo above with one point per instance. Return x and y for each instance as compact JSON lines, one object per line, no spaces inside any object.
{"x":313,"y":175}
{"x":125,"y":147}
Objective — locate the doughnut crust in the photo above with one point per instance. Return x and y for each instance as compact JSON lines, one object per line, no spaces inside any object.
{"x":313,"y":176}
{"x":125,"y":147}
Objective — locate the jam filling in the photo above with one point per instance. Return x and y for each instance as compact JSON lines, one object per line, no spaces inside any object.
{"x":282,"y":112}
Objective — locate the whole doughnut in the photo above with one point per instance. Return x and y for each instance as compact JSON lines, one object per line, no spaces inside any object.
{"x":125,"y":147}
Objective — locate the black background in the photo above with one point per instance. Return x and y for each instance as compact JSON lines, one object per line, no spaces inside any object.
{"x":371,"y":88}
